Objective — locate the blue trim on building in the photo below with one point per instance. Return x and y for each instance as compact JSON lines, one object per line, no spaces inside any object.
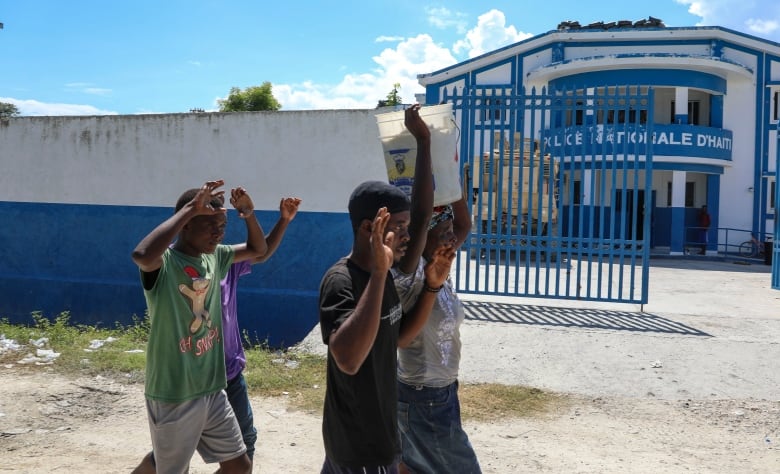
{"x":615,"y":58}
{"x":661,"y":224}
{"x":657,"y":166}
{"x":677,"y":239}
{"x":83,"y":266}
{"x":551,"y":39}
{"x":713,"y":208}
{"x":716,"y":111}
{"x":759,"y":159}
{"x":648,"y":77}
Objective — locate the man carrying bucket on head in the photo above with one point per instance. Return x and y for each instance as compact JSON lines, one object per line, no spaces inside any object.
{"x":361,"y":317}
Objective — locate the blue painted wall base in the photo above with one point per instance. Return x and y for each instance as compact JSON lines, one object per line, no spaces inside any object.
{"x":76,"y":258}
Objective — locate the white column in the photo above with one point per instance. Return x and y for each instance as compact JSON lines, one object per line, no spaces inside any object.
{"x":678,"y":213}
{"x":680,"y":102}
{"x":587,"y":197}
{"x":678,"y":188}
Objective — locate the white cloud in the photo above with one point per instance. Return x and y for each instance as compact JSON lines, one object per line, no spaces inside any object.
{"x":96,"y":91}
{"x":31,"y":108}
{"x":400,"y":65}
{"x":762,"y":27}
{"x":490,"y":33}
{"x":388,"y":39}
{"x":758,"y":17}
{"x":194,"y":63}
{"x":444,"y":18}
{"x":87,"y":88}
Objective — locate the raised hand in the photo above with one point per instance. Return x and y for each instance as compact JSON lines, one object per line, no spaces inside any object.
{"x":438,"y":268}
{"x":241,"y":201}
{"x":288,"y":207}
{"x":381,"y":245}
{"x":415,"y":124}
{"x":201,"y":203}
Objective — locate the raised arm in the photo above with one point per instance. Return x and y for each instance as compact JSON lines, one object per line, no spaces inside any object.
{"x":351,"y":342}
{"x":288,"y":208}
{"x":436,"y":272}
{"x":148,"y":253}
{"x":422,"y":190}
{"x":255,"y":245}
{"x":461,"y":221}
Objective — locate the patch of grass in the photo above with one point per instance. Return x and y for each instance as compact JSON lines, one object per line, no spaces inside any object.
{"x":301,"y":376}
{"x":298,"y":375}
{"x":73,"y":343}
{"x":491,"y":402}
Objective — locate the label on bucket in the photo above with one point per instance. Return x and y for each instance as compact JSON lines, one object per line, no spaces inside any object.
{"x":400,"y":152}
{"x":400,"y":168}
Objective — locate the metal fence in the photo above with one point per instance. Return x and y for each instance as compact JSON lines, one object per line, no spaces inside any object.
{"x":560,"y":183}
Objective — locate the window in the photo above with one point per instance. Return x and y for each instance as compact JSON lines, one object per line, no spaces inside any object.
{"x":690,"y":187}
{"x":775,"y":104}
{"x":693,"y":113}
{"x":621,"y":116}
{"x":669,"y":194}
{"x":576,"y":198}
{"x":578,"y":113}
{"x":575,"y":113}
{"x":772,"y":195}
{"x":493,"y":109}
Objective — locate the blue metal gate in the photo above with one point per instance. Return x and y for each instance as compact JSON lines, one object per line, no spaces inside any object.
{"x":775,"y":247}
{"x":561,"y":185}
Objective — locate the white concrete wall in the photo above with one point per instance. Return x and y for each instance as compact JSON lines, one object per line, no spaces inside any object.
{"x":78,"y":193}
{"x":149,"y":160}
{"x":736,"y":203}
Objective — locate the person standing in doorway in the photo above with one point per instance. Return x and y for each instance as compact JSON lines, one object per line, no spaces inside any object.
{"x":704,"y":228}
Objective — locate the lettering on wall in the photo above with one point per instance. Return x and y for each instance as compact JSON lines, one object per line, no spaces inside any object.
{"x":672,"y":140}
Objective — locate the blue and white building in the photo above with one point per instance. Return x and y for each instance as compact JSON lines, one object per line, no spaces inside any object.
{"x":714,"y":115}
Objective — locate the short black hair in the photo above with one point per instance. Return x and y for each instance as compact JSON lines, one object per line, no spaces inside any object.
{"x":189,"y":195}
{"x":369,"y":196}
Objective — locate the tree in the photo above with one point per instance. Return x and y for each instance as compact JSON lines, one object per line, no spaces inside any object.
{"x":255,"y":98}
{"x":393,"y":98}
{"x":8,"y":110}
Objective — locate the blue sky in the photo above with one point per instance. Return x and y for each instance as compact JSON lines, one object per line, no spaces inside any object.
{"x":95,"y":57}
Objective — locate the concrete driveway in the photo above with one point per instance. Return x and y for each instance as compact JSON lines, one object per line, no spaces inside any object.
{"x":711,"y":329}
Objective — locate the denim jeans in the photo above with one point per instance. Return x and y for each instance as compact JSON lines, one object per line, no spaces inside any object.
{"x":432,"y":438}
{"x":330,"y":467}
{"x":239,"y":399}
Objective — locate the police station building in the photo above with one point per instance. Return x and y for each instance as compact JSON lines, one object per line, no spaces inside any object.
{"x":705,"y":98}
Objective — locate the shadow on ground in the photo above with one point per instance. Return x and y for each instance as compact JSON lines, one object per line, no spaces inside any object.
{"x":575,"y":317}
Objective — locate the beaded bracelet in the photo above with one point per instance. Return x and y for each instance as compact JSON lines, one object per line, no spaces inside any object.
{"x":432,"y":290}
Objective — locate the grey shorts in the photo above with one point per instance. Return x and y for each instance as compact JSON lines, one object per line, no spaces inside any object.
{"x":205,"y":424}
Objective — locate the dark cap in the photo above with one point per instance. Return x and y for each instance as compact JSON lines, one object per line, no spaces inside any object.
{"x":369,"y":196}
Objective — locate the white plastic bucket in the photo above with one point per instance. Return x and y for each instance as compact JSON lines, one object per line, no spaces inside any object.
{"x":400,"y":151}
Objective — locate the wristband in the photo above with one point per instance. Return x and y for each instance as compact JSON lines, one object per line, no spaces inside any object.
{"x":432,"y":290}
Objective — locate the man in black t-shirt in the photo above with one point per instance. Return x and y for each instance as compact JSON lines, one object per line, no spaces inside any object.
{"x":362,"y":321}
